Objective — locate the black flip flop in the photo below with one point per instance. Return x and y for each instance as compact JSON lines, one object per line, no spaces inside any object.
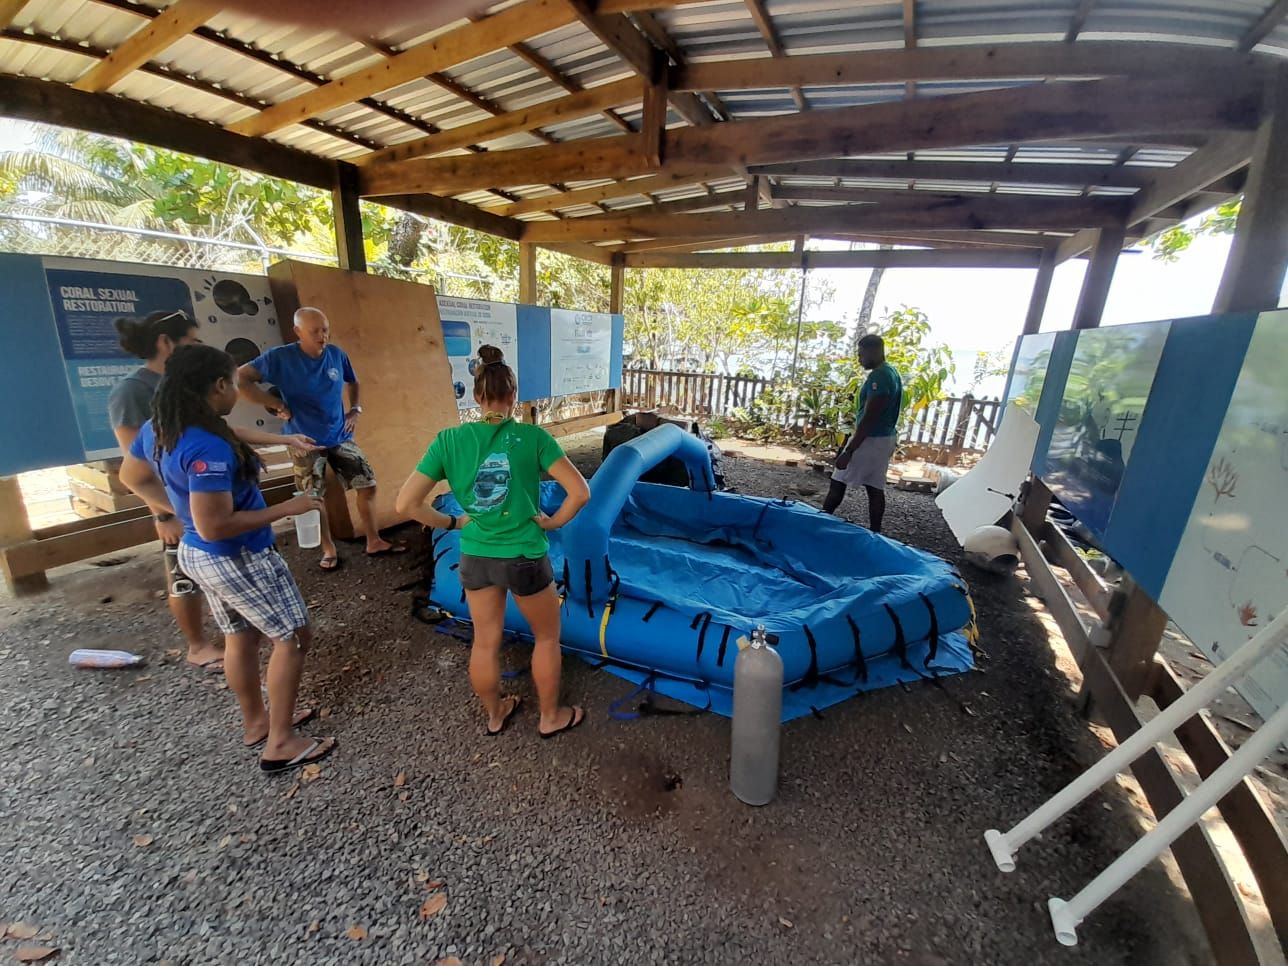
{"x":336,"y":563}
{"x":393,"y":550}
{"x":301,"y":717}
{"x":573,"y":722}
{"x":277,"y":766}
{"x":505,"y":722}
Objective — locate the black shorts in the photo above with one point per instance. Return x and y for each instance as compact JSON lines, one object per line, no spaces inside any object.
{"x":521,"y":576}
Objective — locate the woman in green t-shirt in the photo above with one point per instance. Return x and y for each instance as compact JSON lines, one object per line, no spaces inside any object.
{"x":494,"y":470}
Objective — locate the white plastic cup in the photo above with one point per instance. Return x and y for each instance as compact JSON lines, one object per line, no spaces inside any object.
{"x":308,"y":528}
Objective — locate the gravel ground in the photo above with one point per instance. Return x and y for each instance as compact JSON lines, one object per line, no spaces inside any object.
{"x":138,"y":831}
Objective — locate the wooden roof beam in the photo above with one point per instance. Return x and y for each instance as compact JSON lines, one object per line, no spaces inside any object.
{"x":765,"y":25}
{"x":543,"y":66}
{"x":986,"y":212}
{"x":1079,"y":20}
{"x":510,"y":26}
{"x":1033,"y":112}
{"x":175,"y":22}
{"x":616,"y":32}
{"x":9,"y":9}
{"x":1267,"y":22}
{"x":999,"y":62}
{"x":1071,"y":175}
{"x":896,"y":258}
{"x":638,"y":187}
{"x":587,"y":102}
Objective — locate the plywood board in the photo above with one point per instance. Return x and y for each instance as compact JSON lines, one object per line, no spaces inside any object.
{"x":392,"y":333}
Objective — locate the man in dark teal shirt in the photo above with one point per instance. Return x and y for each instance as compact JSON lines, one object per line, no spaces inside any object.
{"x":865,"y":458}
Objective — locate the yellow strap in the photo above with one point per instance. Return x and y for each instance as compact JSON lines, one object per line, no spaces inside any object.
{"x":603,"y":629}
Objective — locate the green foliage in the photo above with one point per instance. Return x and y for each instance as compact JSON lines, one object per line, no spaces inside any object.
{"x":819,"y":404}
{"x":1168,"y":244}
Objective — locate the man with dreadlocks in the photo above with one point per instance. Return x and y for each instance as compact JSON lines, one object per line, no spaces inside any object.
{"x":210,"y":478}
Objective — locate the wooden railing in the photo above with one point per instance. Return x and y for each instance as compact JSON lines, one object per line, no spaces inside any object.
{"x":955,"y":423}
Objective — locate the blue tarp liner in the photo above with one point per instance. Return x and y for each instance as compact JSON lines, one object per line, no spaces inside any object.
{"x":660,"y":583}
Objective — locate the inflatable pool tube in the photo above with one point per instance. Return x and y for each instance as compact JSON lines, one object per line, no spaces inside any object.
{"x":661,"y":585}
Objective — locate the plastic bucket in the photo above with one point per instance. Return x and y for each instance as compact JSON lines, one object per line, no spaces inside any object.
{"x":308,"y":529}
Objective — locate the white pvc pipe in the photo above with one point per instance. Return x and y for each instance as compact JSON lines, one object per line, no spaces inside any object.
{"x":1065,"y":916}
{"x":1005,"y":846}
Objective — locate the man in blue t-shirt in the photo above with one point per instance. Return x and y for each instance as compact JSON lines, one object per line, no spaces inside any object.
{"x":312,"y":375}
{"x":865,"y":458}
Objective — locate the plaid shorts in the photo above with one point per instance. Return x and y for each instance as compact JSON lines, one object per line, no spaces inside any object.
{"x":250,"y":590}
{"x":348,"y":461}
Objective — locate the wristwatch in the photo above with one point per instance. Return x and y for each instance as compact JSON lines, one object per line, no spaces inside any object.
{"x":163,"y":517}
{"x":356,"y":409}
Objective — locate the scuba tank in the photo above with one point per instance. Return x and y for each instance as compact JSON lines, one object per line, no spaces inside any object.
{"x":757,"y":714}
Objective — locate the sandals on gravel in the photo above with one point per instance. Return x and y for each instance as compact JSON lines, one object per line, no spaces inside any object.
{"x":393,"y":550}
{"x":330,"y":563}
{"x":302,"y":716}
{"x":578,"y":716}
{"x":516,"y":704}
{"x":214,"y":666}
{"x":317,"y":750}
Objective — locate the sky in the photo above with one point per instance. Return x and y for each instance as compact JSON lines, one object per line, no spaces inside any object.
{"x":983,"y":309}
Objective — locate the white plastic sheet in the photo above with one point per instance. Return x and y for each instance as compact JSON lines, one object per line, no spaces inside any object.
{"x":984,"y":495}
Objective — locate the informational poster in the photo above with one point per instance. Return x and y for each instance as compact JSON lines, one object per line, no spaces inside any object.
{"x":234,"y":312}
{"x":581,"y":351}
{"x":1028,"y":375}
{"x":469,"y":324}
{"x":1104,"y":399}
{"x":1229,"y":577}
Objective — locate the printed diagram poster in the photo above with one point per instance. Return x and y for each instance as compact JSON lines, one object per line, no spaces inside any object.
{"x":234,"y":312}
{"x":1229,"y":577}
{"x":1108,"y":387}
{"x":581,"y":351}
{"x":469,"y":324}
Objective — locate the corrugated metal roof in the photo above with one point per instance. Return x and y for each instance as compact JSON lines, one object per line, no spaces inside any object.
{"x":226,"y":70}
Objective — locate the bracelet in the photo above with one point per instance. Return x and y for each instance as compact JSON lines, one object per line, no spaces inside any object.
{"x":451,"y":522}
{"x":163,"y":517}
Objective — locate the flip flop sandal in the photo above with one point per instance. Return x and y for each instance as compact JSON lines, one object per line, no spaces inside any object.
{"x":301,"y":717}
{"x":208,"y":667}
{"x":392,"y":550}
{"x":335,"y":562}
{"x":505,"y":722}
{"x":305,"y":757}
{"x":578,"y":716}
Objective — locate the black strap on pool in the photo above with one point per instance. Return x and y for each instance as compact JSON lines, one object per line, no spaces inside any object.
{"x":812,"y":674}
{"x":900,"y":642}
{"x":705,"y":620}
{"x":933,"y":634}
{"x":724,"y":645}
{"x":859,"y":662}
{"x":590,"y":607}
{"x":657,"y":605}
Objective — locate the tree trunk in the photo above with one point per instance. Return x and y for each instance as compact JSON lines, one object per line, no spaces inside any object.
{"x":864,"y":323}
{"x":404,"y":240}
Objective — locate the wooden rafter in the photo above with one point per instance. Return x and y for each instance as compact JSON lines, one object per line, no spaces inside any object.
{"x":865,"y":195}
{"x":616,"y":32}
{"x":1275,"y":14}
{"x":9,"y":9}
{"x":910,"y":37}
{"x":510,"y":26}
{"x":620,"y":189}
{"x":540,"y":64}
{"x":973,"y":213}
{"x":1033,"y":112}
{"x":587,"y":102}
{"x":1079,"y":20}
{"x":985,"y":62}
{"x":175,"y":22}
{"x":905,"y":258}
{"x":760,"y":15}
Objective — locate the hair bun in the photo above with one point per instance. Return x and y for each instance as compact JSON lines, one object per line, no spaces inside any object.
{"x":490,"y":355}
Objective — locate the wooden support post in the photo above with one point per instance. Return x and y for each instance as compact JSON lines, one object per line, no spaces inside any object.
{"x":617,"y":284}
{"x":1258,"y":259}
{"x":1100,"y":274}
{"x":754,"y":186}
{"x":528,"y":273}
{"x":1136,"y":626}
{"x":349,"y":249}
{"x":1037,"y":501}
{"x":15,"y":527}
{"x":655,"y":107}
{"x":1041,"y":287}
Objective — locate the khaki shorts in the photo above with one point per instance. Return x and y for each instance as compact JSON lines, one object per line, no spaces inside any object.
{"x":869,"y":464}
{"x":347,"y":460}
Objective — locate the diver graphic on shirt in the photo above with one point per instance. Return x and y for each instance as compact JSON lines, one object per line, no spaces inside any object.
{"x":492,"y":483}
